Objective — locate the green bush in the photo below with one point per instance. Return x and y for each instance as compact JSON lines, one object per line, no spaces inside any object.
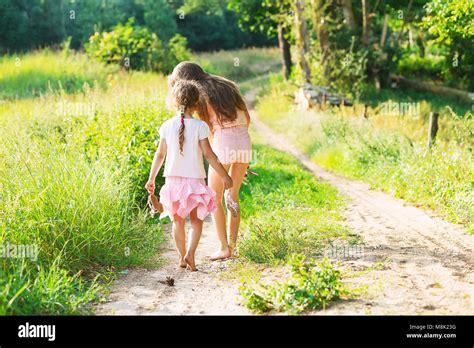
{"x":135,"y":47}
{"x":312,"y":285}
{"x":413,"y":66}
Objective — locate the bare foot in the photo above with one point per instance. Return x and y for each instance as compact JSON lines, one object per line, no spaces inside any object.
{"x":221,"y":255}
{"x":190,"y":263}
{"x":182,"y":262}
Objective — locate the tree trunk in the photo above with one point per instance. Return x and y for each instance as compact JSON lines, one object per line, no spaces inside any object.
{"x":379,"y":70}
{"x":384,"y":31}
{"x":407,"y":13}
{"x":348,"y":14}
{"x":285,"y":52}
{"x":302,"y":40}
{"x":365,"y":22}
{"x":420,"y":40}
{"x":322,"y":34}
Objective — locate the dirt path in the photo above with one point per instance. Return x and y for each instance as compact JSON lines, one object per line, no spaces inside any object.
{"x":141,"y":292}
{"x":426,"y":264}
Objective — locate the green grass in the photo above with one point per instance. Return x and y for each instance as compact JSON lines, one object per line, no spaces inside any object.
{"x":35,"y":74}
{"x":428,"y":102}
{"x":387,"y":151}
{"x":240,"y":65}
{"x":72,"y":169}
{"x":286,"y":210}
{"x":311,"y":285}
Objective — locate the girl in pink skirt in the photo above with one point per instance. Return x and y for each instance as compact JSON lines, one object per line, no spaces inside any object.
{"x":183,"y":142}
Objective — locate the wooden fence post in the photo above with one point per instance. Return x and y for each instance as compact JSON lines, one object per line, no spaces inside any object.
{"x":433,"y":128}
{"x":366,"y":115}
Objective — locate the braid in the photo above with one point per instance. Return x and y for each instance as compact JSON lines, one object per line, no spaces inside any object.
{"x":186,"y":97}
{"x":181,"y":131}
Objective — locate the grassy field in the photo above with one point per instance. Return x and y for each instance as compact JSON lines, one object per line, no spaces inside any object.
{"x":48,"y":72}
{"x":387,"y":150}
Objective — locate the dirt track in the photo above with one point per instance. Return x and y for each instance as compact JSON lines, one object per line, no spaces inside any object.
{"x":426,"y":263}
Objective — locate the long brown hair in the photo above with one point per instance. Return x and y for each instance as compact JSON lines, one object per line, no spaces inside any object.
{"x":222,"y":94}
{"x":186,"y":97}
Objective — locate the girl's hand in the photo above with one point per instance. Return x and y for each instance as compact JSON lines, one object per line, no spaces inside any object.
{"x":150,"y":186}
{"x":228,"y":183}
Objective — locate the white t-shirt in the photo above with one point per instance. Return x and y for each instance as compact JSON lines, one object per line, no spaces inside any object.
{"x":189,"y":164}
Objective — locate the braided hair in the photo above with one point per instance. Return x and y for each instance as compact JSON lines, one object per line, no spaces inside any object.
{"x":186,"y":96}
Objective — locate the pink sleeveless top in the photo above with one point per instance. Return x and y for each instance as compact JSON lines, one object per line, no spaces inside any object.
{"x":240,"y":121}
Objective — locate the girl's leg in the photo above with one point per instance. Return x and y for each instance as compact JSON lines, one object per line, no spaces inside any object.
{"x":180,"y":238}
{"x":237,"y":173}
{"x":218,"y":218}
{"x":196,"y":232}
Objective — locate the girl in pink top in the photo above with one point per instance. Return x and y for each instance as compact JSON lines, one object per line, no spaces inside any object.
{"x":184,"y":141}
{"x":223,"y":108}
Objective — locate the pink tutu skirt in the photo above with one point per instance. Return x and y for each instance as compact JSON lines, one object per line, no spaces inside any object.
{"x":181,"y":195}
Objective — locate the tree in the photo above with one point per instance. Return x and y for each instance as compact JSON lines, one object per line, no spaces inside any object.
{"x":31,"y":24}
{"x":160,"y":18}
{"x":348,"y":14}
{"x":318,"y":7}
{"x":451,"y":23}
{"x":284,"y":46}
{"x":301,"y":39}
{"x":269,"y":17}
{"x":365,"y":22}
{"x":210,"y":25}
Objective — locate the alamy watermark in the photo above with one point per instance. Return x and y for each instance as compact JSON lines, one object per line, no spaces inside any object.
{"x":240,"y":156}
{"x":75,"y":108}
{"x":345,"y":251}
{"x":19,"y":251}
{"x":392,"y":108}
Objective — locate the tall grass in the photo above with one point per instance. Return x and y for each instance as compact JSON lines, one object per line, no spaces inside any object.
{"x":387,"y":151}
{"x":34,"y":74}
{"x":72,"y":171}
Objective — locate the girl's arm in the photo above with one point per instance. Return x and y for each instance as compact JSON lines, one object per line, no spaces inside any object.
{"x":160,"y":155}
{"x":247,"y":116}
{"x":214,"y":162}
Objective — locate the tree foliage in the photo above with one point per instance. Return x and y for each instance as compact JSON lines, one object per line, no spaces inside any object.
{"x":451,"y":23}
{"x":135,"y":47}
{"x":207,"y":24}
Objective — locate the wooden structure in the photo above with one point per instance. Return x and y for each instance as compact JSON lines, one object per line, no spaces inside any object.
{"x":309,"y":96}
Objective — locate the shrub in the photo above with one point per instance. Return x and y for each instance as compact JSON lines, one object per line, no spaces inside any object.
{"x":135,"y":47}
{"x":312,"y":285}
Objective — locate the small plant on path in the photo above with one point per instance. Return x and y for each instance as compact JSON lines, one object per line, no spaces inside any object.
{"x":312,"y":285}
